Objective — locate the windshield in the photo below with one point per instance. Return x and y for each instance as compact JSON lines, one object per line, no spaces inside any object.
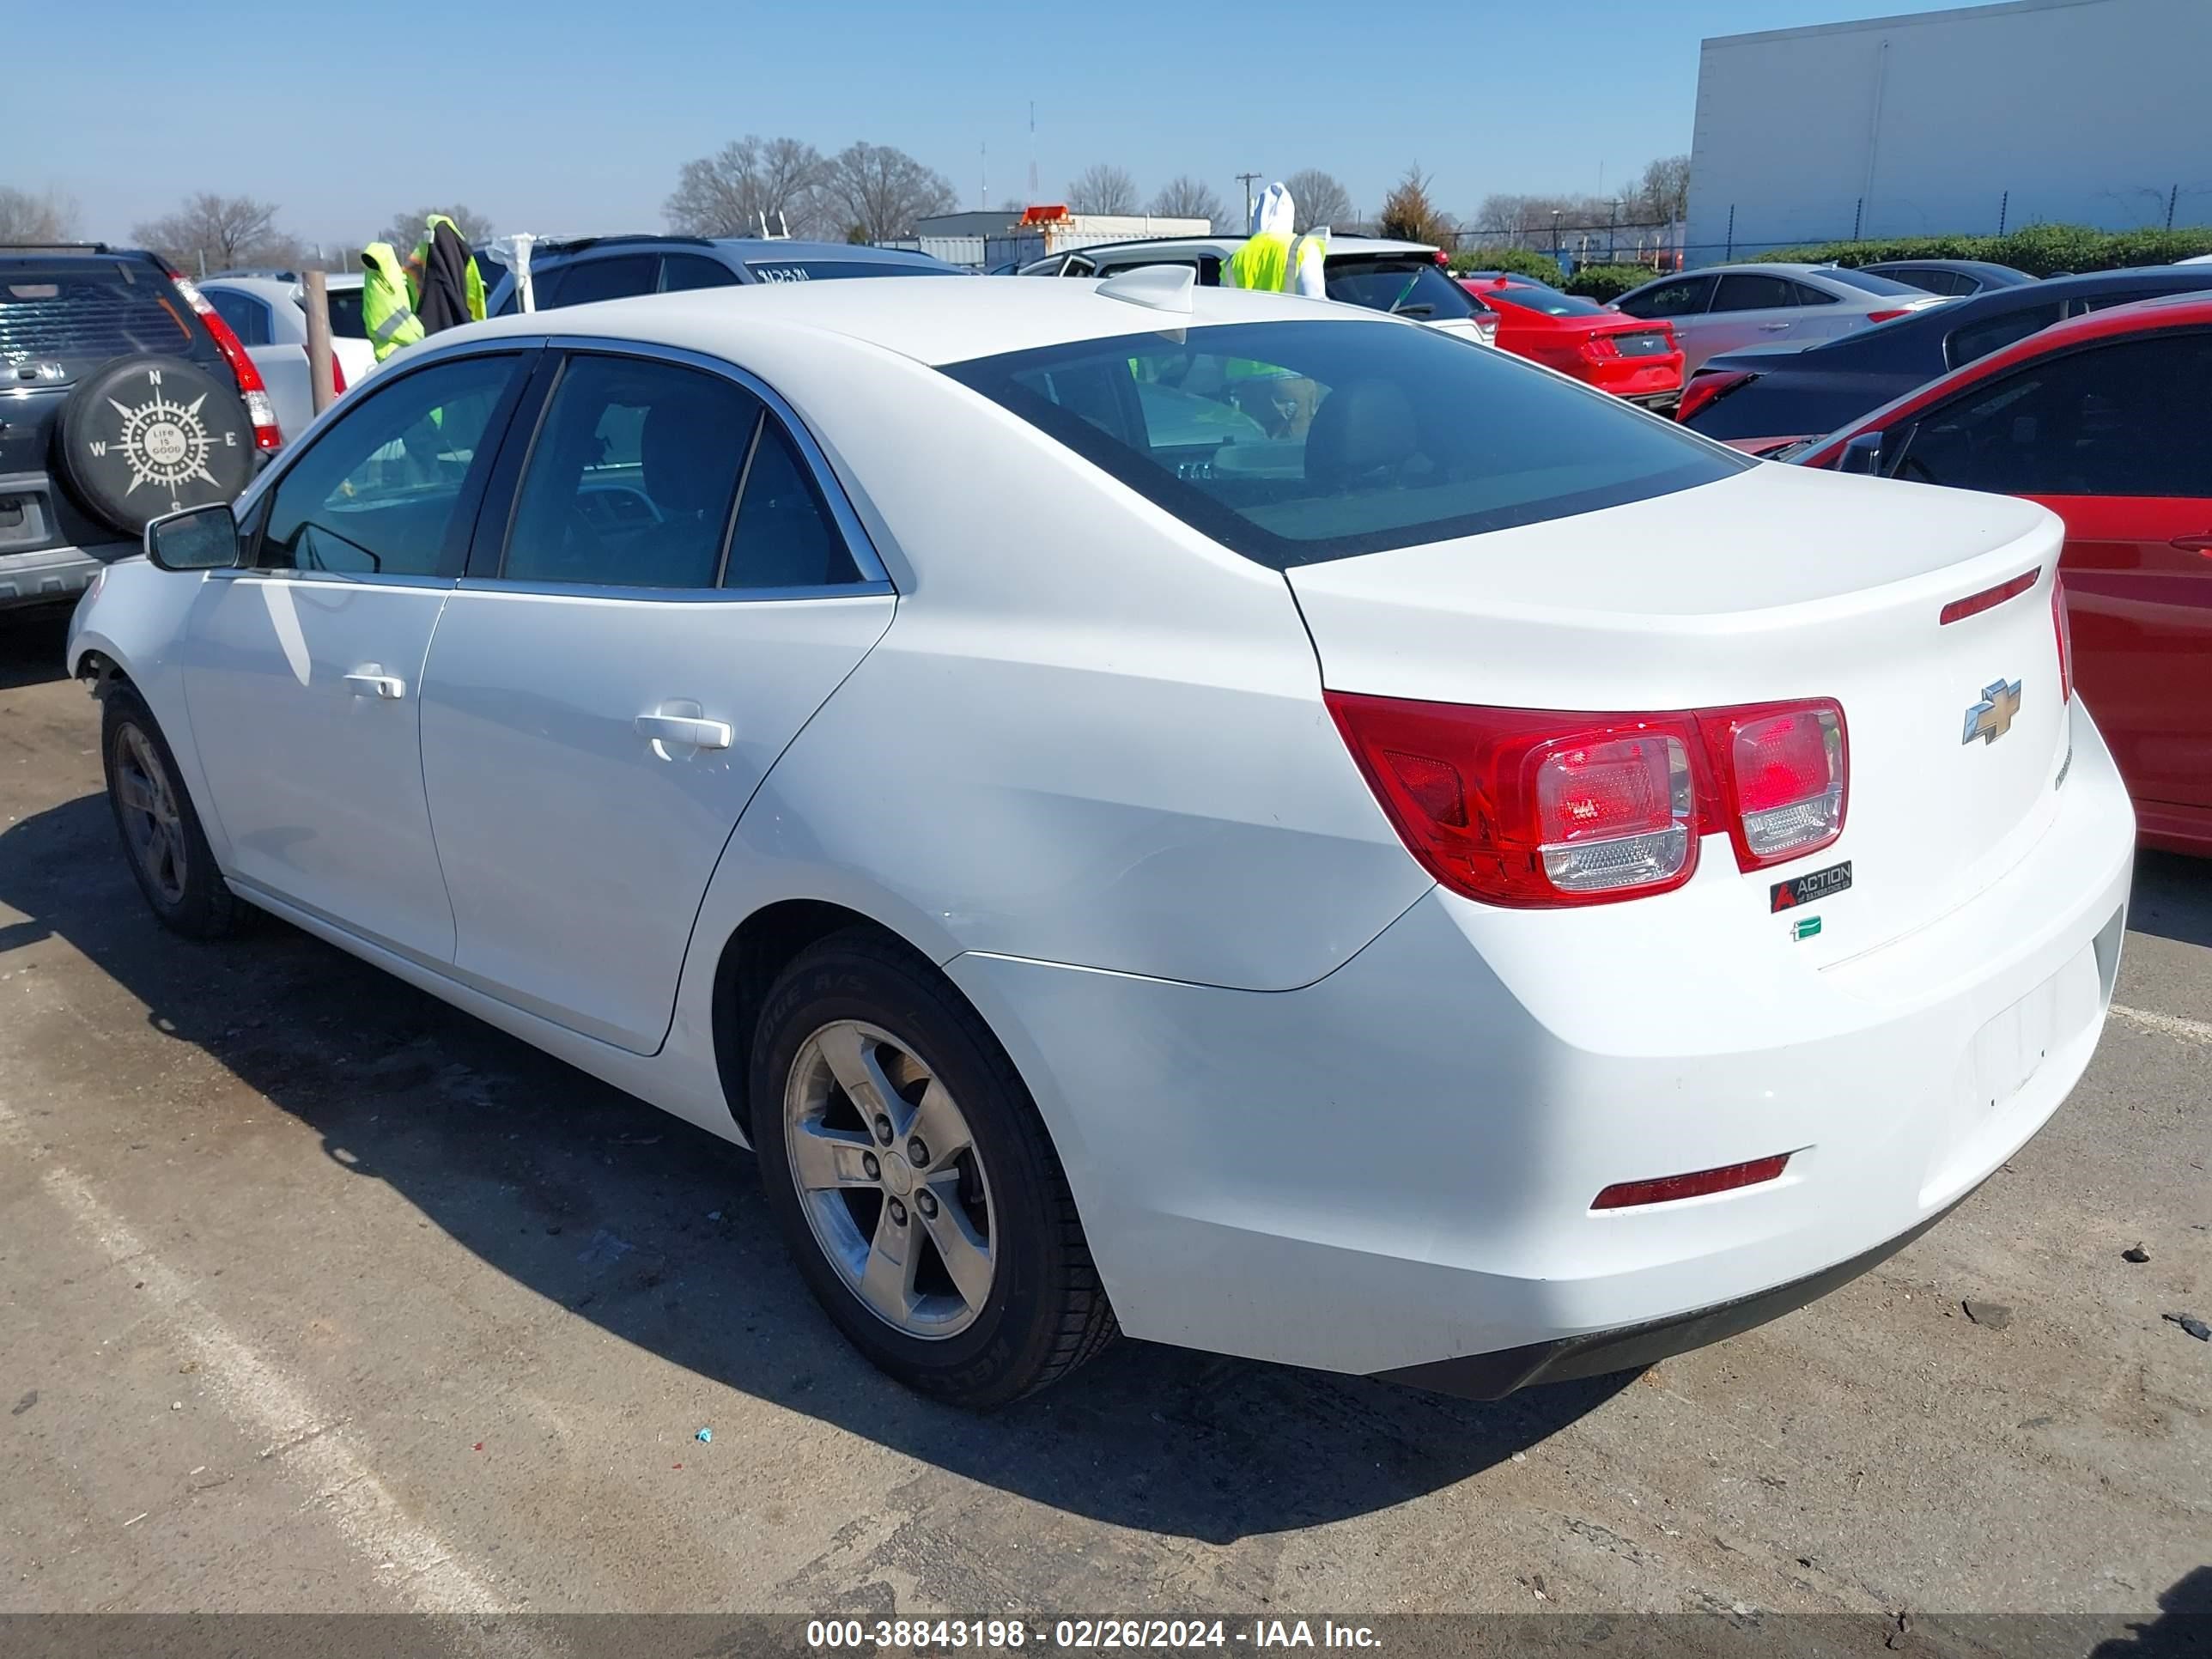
{"x":1871,"y":284}
{"x":817,"y":270}
{"x":1411,"y":285}
{"x":1293,"y":443}
{"x":1550,"y":301}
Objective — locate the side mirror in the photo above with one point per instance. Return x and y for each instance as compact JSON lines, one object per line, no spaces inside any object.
{"x":1862,"y":453}
{"x":198,"y":539}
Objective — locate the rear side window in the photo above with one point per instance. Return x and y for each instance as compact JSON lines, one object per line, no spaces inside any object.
{"x":618,"y":278}
{"x":1869,"y":281}
{"x":345,"y":314}
{"x":88,"y":308}
{"x":785,"y":536}
{"x":683,"y":272}
{"x":1676,"y":298}
{"x":248,"y":317}
{"x":1971,"y":340}
{"x":1293,"y":443}
{"x":818,"y":271}
{"x":1739,"y":291}
{"x":1414,"y":287}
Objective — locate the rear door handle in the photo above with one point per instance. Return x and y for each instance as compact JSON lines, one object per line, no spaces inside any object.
{"x":1772,"y":328}
{"x":687,"y":730}
{"x":2194,"y":544}
{"x":372,"y":682}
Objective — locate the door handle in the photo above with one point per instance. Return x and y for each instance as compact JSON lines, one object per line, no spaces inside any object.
{"x":372,"y":682}
{"x":2194,"y":544}
{"x":686,"y":729}
{"x":1772,"y":328}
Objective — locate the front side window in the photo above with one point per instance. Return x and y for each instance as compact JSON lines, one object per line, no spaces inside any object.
{"x":1297,"y":441}
{"x":247,"y":317}
{"x":1681,"y":298}
{"x":2124,"y":419}
{"x":378,"y":491}
{"x":630,"y":480}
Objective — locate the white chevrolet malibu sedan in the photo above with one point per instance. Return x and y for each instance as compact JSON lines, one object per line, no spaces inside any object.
{"x":1227,"y":818}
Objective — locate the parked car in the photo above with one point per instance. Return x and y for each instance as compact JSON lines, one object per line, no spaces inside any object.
{"x":1625,"y":356}
{"x":269,"y":316}
{"x":1777,"y":396}
{"x":2101,"y":420}
{"x":1726,"y":307}
{"x":1508,"y":275}
{"x":1959,"y":279}
{"x":1165,"y":880}
{"x":580,"y":270}
{"x":1406,"y":279}
{"x":126,"y":396}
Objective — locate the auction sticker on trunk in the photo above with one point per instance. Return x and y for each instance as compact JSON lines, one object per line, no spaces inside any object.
{"x":1804,"y":889}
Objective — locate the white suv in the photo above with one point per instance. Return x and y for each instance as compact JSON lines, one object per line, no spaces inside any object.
{"x":1407,"y":279}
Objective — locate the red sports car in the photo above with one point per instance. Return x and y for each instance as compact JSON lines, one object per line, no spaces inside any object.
{"x":1630,"y":357}
{"x":2102,"y":419}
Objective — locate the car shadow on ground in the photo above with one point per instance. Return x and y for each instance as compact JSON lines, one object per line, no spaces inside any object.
{"x":2172,"y":898}
{"x":655,"y":1231}
{"x":31,"y":642}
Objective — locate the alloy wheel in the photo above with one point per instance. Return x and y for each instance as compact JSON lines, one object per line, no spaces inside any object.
{"x":150,"y":820}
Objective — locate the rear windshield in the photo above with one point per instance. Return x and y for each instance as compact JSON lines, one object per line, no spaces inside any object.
{"x":1411,"y":285}
{"x":1550,"y":301}
{"x":88,"y":308}
{"x":815,"y":270}
{"x":1294,"y":442}
{"x":1871,"y":282}
{"x":345,"y":314}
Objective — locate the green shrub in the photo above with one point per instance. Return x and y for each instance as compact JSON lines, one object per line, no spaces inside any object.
{"x":2038,"y":250}
{"x":1604,"y":282}
{"x":1521,"y":261}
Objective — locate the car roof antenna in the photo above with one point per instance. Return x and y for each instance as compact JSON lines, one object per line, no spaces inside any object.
{"x":1158,"y":287}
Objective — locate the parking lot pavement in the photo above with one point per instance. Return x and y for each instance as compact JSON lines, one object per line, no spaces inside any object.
{"x":319,"y":1294}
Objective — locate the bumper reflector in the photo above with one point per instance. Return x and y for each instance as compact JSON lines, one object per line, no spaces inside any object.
{"x":1627,"y":1194}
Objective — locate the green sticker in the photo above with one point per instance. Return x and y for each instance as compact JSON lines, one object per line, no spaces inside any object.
{"x":1804,"y":927}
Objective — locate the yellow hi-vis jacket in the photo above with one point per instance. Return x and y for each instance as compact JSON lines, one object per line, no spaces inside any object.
{"x":1273,"y":259}
{"x":474,"y":296}
{"x":387,"y":312}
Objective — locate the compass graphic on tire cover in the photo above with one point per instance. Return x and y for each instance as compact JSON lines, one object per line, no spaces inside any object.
{"x":165,"y":442}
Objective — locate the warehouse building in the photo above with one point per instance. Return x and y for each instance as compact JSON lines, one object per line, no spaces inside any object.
{"x":1987,"y":118}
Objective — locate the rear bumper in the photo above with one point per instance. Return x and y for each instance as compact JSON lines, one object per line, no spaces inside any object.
{"x":1393,"y":1169}
{"x":54,"y":575}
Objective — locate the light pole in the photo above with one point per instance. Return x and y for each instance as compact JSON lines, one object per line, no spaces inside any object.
{"x":1245,"y":179}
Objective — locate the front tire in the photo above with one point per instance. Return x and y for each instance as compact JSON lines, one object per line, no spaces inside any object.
{"x":162,"y":841}
{"x":914,"y":1181}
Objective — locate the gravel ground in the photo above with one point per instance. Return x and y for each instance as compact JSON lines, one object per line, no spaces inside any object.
{"x":319,"y":1296}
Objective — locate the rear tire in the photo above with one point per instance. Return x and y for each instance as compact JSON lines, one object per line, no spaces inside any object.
{"x":162,"y":841}
{"x":959,"y":1268}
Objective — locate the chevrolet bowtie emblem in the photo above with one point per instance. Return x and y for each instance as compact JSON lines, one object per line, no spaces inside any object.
{"x":1991,"y":718}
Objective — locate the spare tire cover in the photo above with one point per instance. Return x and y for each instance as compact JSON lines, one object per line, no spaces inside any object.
{"x":141,"y":437}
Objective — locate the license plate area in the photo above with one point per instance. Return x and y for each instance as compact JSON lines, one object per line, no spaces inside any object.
{"x":24,"y":523}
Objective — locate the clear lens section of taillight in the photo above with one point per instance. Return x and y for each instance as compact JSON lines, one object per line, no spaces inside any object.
{"x":1786,"y":769}
{"x":1616,"y":813}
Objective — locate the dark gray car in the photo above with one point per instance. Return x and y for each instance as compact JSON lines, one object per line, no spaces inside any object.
{"x":1957,"y":279}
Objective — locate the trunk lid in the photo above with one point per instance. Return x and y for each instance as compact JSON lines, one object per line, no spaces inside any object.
{"x":1757,"y":589}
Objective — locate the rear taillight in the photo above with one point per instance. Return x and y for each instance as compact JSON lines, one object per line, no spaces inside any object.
{"x":1884,"y":316}
{"x":250,"y":391}
{"x":1781,"y":769}
{"x":2065,"y":631}
{"x":1600,"y":349}
{"x":337,"y":375}
{"x":1705,"y":388}
{"x":1534,"y":808}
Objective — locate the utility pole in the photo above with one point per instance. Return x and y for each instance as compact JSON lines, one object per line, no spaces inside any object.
{"x":1245,"y":179}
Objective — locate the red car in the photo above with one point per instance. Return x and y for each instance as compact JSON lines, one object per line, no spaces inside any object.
{"x":2101,"y":419}
{"x":1630,"y":357}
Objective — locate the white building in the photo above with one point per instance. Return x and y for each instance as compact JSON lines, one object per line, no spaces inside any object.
{"x":2081,"y":112}
{"x":983,"y":238}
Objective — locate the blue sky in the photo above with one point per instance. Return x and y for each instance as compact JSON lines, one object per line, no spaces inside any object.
{"x":563,"y":116}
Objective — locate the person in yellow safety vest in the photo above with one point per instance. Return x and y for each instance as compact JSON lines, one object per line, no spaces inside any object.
{"x":387,"y":309}
{"x":1274,"y":259}
{"x":443,"y":282}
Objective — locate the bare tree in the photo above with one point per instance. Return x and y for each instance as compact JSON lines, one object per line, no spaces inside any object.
{"x":1410,"y":213}
{"x":1102,"y":188}
{"x":221,"y":231}
{"x":879,"y":192}
{"x":1185,"y":198}
{"x":1317,"y":199}
{"x":403,"y":232}
{"x":731,"y":193}
{"x":27,"y":218}
{"x":1662,"y":194}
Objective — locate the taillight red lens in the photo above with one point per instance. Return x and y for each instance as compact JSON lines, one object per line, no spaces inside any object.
{"x":1536,"y":807}
{"x":1627,"y":1194}
{"x":337,"y":374}
{"x":1706,"y":387}
{"x":1884,"y":316}
{"x":1600,"y":349}
{"x":1987,"y":600}
{"x":1783,"y":769}
{"x":2065,"y":630}
{"x":250,"y":390}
